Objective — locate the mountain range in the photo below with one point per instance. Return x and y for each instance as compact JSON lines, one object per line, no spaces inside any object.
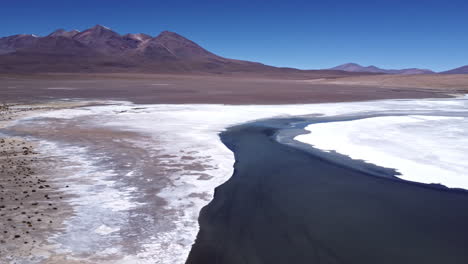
{"x":354,"y":67}
{"x":100,"y":49}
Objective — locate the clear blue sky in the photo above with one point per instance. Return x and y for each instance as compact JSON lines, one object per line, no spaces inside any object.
{"x":302,"y":34}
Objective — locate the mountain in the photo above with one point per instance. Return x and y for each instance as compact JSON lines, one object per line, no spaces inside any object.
{"x":64,"y":33}
{"x":12,"y":43}
{"x":136,"y":38}
{"x":460,"y":70}
{"x":170,"y":46}
{"x":354,"y":67}
{"x":104,"y":40}
{"x":100,"y":49}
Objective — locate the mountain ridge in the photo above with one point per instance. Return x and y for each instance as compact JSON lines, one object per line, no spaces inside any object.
{"x":354,"y":67}
{"x":459,"y":70}
{"x":100,"y":49}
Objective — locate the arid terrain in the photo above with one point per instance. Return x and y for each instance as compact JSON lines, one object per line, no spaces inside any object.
{"x":165,"y":88}
{"x":442,"y":82}
{"x":146,"y":147}
{"x":99,"y":63}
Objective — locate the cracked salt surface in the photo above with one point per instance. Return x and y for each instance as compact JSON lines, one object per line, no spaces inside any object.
{"x":176,"y":132}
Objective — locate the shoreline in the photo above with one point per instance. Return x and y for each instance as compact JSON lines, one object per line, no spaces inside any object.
{"x":186,"y":155}
{"x":426,"y":148}
{"x":344,"y":226}
{"x":33,"y":204}
{"x":290,"y":131}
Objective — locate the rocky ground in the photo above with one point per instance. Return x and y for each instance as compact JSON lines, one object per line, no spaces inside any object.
{"x":32,"y":204}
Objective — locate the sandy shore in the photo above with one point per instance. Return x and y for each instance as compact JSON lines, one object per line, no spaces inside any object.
{"x":32,"y":203}
{"x":127,"y":172}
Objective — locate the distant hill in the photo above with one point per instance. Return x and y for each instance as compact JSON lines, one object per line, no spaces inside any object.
{"x":460,"y":70}
{"x":100,"y":49}
{"x":354,"y":67}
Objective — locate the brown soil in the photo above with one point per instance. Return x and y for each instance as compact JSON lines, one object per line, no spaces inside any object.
{"x":174,"y":89}
{"x":445,"y":82}
{"x":31,"y":205}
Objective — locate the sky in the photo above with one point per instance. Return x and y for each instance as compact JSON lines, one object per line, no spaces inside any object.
{"x":301,"y":34}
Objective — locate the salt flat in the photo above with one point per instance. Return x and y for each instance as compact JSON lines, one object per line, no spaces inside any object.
{"x":140,"y":174}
